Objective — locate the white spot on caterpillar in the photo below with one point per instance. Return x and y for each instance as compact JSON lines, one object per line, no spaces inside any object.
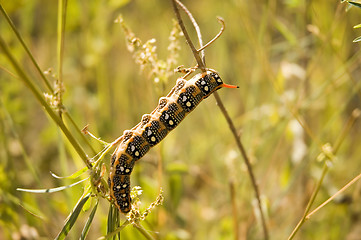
{"x":184,"y":98}
{"x":170,"y":122}
{"x":121,"y":169}
{"x":188,"y":104}
{"x":206,"y":88}
{"x":132,"y":148}
{"x":124,"y":195}
{"x":149,"y":133}
{"x":166,"y":116}
{"x":136,"y":153}
{"x":125,"y":204}
{"x":118,"y":187}
{"x":124,"y":185}
{"x":127,"y":170}
{"x":203,"y":82}
{"x":152,"y":139}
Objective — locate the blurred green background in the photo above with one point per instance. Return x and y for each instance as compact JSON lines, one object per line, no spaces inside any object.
{"x":294,"y":61}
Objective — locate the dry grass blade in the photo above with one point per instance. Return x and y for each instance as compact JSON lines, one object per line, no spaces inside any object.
{"x":327,"y":156}
{"x":358,"y":177}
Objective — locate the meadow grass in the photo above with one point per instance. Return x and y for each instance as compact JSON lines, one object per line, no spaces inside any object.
{"x":296,"y":113}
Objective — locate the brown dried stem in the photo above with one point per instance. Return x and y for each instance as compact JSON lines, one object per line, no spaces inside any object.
{"x":220,"y":103}
{"x":184,"y":30}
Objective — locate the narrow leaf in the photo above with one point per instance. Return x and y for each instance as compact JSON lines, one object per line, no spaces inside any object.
{"x":50,"y":190}
{"x":113,"y":220}
{"x":357,"y":26}
{"x":113,"y":234}
{"x":72,"y":176}
{"x":358,"y":39}
{"x":72,"y":217}
{"x":356,"y":4}
{"x":86,"y":228}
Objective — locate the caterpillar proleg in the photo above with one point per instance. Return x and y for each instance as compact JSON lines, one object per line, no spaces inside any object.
{"x":153,"y":128}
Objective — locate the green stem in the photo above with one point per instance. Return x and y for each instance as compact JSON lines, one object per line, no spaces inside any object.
{"x":355,"y":114}
{"x":45,"y":80}
{"x":43,"y":102}
{"x":48,"y":85}
{"x":60,"y":47}
{"x":310,"y":202}
{"x":143,"y":231}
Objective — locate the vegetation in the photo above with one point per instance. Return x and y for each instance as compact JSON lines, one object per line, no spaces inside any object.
{"x":81,"y":65}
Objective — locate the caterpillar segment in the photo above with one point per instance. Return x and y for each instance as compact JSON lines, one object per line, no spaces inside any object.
{"x":154,"y":127}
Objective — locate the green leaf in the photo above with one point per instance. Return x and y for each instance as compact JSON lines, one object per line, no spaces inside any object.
{"x":113,"y":220}
{"x":358,"y":39}
{"x":72,"y":217}
{"x":357,"y":26}
{"x":86,"y":228}
{"x":73,"y":176}
{"x":356,"y":4}
{"x":50,"y":190}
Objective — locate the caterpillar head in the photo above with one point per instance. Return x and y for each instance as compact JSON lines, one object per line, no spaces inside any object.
{"x":210,"y":83}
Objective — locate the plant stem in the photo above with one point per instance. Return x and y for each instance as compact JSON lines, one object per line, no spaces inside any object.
{"x":45,"y":80}
{"x":43,"y":102}
{"x":201,"y":65}
{"x":189,"y":41}
{"x":355,"y":114}
{"x":234,"y":210}
{"x":143,"y":231}
{"x":246,"y":160}
{"x":48,"y":85}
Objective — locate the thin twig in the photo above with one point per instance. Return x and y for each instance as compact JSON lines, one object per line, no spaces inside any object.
{"x":234,"y":210}
{"x":335,"y":195}
{"x":310,"y":202}
{"x":196,"y":27}
{"x":221,"y":21}
{"x":62,"y":7}
{"x":188,"y":39}
{"x":246,"y":159}
{"x":226,"y":115}
{"x":355,"y":114}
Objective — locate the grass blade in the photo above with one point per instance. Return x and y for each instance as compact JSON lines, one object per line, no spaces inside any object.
{"x":50,"y":190}
{"x":86,"y":228}
{"x":356,"y":4}
{"x":72,"y":217}
{"x":113,"y":221}
{"x":72,"y":176}
{"x":358,"y":39}
{"x":39,"y":96}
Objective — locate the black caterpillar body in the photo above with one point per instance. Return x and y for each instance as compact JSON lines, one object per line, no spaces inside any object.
{"x":171,"y":110}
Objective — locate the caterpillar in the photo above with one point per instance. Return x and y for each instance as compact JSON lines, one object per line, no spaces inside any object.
{"x":153,"y":128}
